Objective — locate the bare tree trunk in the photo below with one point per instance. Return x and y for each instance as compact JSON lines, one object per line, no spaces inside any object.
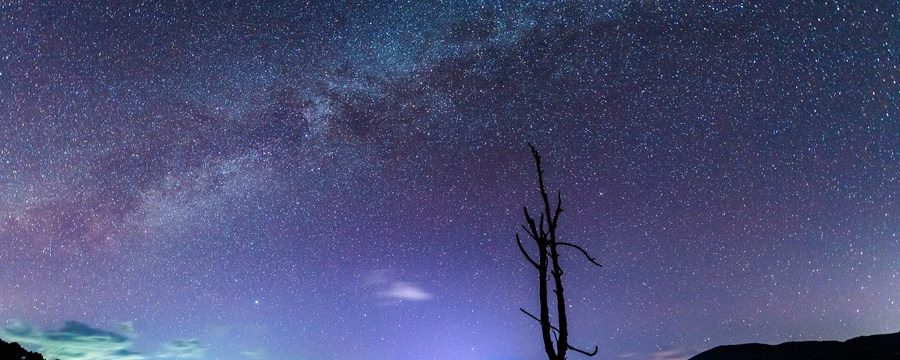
{"x":546,"y":241}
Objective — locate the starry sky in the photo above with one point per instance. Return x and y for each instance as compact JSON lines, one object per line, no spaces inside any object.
{"x":342,"y":180}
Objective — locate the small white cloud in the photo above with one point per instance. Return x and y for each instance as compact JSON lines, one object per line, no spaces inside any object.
{"x":391,"y":290}
{"x":406,"y":291}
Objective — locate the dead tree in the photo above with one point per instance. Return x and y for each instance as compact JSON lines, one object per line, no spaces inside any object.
{"x":543,"y":232}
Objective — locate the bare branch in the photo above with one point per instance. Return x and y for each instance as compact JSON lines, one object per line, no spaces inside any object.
{"x":559,"y":208}
{"x":541,"y":228}
{"x":543,"y":191}
{"x":525,"y":253}
{"x":534,"y":230}
{"x":592,"y":353}
{"x":534,"y":152}
{"x":527,"y":231}
{"x":528,"y":217}
{"x":536,"y":319}
{"x":556,"y":330}
{"x":588,"y":256}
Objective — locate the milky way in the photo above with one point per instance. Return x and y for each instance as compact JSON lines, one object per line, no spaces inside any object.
{"x":290,"y":180}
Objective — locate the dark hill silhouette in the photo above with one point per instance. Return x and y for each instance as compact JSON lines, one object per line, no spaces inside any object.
{"x":15,"y":351}
{"x":874,"y":347}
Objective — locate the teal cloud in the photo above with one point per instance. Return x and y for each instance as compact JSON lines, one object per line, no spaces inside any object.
{"x":182,"y":349}
{"x":77,"y":341}
{"x":74,"y":341}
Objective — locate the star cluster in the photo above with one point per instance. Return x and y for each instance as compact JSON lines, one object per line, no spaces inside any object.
{"x":342,"y":180}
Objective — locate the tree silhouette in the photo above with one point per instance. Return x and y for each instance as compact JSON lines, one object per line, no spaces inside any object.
{"x":16,"y":351}
{"x":543,"y":232}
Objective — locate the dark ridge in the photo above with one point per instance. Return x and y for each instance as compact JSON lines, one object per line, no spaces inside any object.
{"x":874,"y":347}
{"x":17,"y":352}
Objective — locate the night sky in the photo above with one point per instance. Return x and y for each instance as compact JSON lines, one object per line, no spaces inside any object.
{"x":343,"y":180}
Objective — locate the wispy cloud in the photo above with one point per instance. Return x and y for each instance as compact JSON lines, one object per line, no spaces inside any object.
{"x":406,"y":291}
{"x":386,"y":286}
